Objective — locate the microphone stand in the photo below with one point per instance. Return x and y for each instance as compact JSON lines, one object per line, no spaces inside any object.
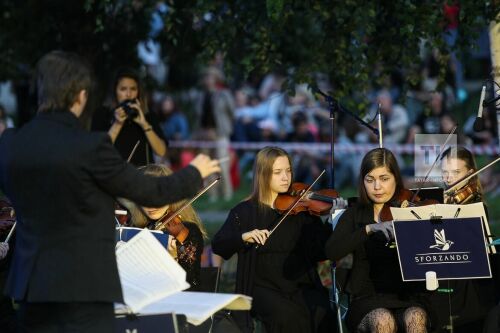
{"x":334,"y":107}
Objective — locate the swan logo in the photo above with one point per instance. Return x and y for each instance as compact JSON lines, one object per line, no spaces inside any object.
{"x":441,"y":242}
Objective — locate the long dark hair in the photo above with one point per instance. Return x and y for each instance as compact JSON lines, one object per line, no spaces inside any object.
{"x":376,"y":158}
{"x":129,"y":73}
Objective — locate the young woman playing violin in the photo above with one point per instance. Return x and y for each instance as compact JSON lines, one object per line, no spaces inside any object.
{"x":470,"y":299}
{"x":457,"y":163}
{"x":278,"y":269}
{"x":380,"y":302}
{"x":185,"y":241}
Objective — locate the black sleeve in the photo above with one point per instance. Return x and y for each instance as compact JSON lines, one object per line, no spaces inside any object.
{"x":122,"y":179}
{"x":346,"y":237}
{"x":317,"y":233}
{"x":102,"y":119}
{"x":227,"y":241}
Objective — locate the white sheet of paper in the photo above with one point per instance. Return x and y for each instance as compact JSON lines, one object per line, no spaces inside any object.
{"x":336,"y":216}
{"x":147,"y":272}
{"x":197,"y":306}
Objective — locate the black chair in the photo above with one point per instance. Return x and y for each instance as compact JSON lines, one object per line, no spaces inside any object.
{"x":209,"y":282}
{"x":209,"y":279}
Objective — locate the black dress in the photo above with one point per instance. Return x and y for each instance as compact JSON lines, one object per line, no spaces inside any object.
{"x":189,"y":254}
{"x":470,"y":299}
{"x":280,"y":276}
{"x":375,"y":280}
{"x":129,"y":135}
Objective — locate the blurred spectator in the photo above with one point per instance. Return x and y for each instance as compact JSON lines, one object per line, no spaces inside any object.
{"x":246,"y":119}
{"x":3,"y":126}
{"x":451,"y":10}
{"x":308,"y":164}
{"x":173,"y":122}
{"x":395,"y":120}
{"x":4,"y":117}
{"x":429,"y":121}
{"x":214,"y":122}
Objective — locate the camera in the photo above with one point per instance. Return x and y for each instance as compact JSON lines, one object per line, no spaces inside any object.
{"x":129,"y":110}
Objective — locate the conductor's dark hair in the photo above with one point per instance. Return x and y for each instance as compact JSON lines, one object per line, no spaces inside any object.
{"x":59,"y":78}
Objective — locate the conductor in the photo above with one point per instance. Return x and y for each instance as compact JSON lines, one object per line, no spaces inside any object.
{"x":62,"y":181}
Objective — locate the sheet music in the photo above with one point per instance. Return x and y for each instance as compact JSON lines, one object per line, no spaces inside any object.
{"x":335,"y":216}
{"x":147,"y":272}
{"x":444,"y":211}
{"x":198,"y":306}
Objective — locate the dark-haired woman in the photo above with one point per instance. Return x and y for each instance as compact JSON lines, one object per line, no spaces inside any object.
{"x":380,"y":301}
{"x":281,"y":274}
{"x":124,"y":128}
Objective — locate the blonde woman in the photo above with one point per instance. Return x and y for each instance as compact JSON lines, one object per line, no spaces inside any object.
{"x":186,"y":251}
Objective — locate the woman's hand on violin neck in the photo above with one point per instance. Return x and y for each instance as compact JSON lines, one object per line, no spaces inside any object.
{"x":256,"y":236}
{"x":384,"y":227}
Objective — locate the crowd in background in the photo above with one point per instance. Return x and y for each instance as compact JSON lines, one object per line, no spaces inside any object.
{"x":223,"y":113}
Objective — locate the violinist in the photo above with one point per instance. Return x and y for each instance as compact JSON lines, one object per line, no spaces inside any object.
{"x":471,"y":299}
{"x":62,"y":181}
{"x":379,"y":300}
{"x":457,"y":163}
{"x":277,"y":270}
{"x":186,"y":250}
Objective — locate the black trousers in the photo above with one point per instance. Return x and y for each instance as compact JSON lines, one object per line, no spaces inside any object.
{"x":74,"y":317}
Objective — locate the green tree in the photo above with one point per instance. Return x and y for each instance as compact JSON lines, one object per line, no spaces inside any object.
{"x":349,"y":40}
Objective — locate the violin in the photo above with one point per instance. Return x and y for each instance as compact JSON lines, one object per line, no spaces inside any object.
{"x":467,"y":192}
{"x":7,"y":219}
{"x":314,"y":202}
{"x":463,"y":195}
{"x":403,"y":199}
{"x":172,"y":223}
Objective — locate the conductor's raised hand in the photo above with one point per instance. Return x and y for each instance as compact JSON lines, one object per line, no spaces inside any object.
{"x":205,"y":165}
{"x":256,"y":236}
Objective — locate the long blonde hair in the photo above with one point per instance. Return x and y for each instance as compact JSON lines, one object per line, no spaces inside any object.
{"x":140,"y":220}
{"x":262,"y":173}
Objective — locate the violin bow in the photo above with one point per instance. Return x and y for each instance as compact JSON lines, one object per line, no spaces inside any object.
{"x":185,"y":205}
{"x":133,"y":151}
{"x":380,"y":136}
{"x":10,"y":233}
{"x":295,"y":203}
{"x":441,"y":150}
{"x":466,"y":178}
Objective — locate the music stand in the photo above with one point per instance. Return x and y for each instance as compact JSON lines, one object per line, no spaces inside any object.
{"x":450,"y":249}
{"x":168,"y":323}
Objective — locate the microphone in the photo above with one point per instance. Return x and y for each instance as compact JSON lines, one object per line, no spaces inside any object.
{"x":479,"y":122}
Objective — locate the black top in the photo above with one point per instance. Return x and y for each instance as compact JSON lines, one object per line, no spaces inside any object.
{"x":129,"y":135}
{"x":62,"y":181}
{"x":189,"y":254}
{"x":288,"y":259}
{"x":375,"y":265}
